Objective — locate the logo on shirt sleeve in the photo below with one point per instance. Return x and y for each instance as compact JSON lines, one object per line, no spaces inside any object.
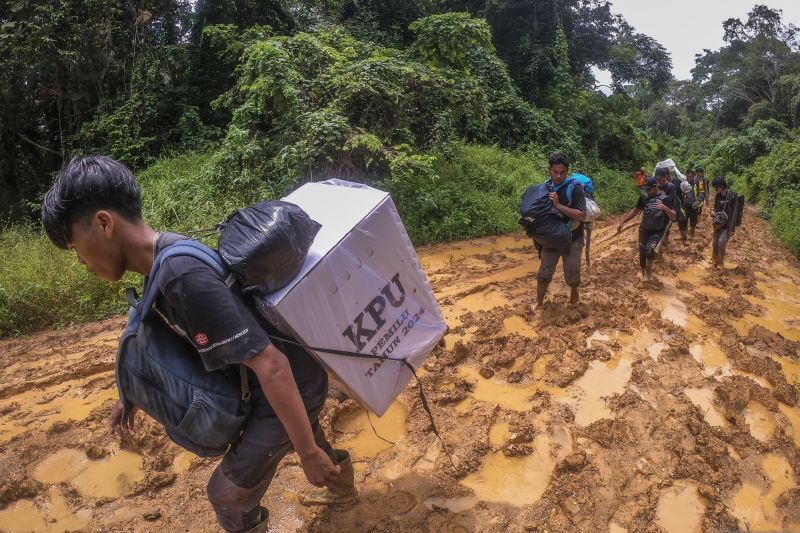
{"x":201,"y":339}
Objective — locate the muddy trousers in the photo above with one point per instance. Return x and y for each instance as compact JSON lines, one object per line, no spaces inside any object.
{"x":691,"y":214}
{"x":241,"y":479}
{"x":719,"y":243}
{"x":571,"y":259}
{"x":648,"y":240}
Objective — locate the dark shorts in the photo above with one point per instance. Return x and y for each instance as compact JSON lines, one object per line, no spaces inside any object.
{"x":572,"y":263}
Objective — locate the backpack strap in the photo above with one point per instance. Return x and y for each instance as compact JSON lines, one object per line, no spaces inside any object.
{"x":570,"y":182}
{"x":191,"y":248}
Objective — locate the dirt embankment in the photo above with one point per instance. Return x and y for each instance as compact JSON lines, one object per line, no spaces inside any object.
{"x":671,"y":406}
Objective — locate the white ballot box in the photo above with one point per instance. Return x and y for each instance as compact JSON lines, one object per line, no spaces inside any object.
{"x":361,"y":289}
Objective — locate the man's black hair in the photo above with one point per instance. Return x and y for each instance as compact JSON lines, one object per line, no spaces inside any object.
{"x":690,"y":169}
{"x":660,"y":171}
{"x":559,"y":159}
{"x":83,"y":187}
{"x":698,"y":170}
{"x":719,"y":181}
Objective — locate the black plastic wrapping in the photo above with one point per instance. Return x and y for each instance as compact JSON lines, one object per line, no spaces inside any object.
{"x":542,"y":220}
{"x":266,"y":244}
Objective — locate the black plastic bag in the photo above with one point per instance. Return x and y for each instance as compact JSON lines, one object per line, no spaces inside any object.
{"x":265,"y":244}
{"x":542,"y":220}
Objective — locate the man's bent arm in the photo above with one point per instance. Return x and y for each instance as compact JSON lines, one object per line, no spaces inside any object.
{"x":276,"y":379}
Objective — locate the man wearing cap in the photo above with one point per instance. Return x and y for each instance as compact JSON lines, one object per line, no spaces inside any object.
{"x":658,"y":208}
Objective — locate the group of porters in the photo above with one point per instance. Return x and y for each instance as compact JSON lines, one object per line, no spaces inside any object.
{"x":667,"y":197}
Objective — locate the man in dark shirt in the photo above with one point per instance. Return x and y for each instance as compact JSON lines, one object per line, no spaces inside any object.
{"x":658,"y":208}
{"x":702,"y":185}
{"x":689,"y":200}
{"x":94,"y":208}
{"x":670,"y":188}
{"x":573,"y":208}
{"x":724,"y":202}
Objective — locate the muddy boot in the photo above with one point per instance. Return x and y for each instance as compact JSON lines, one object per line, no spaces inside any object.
{"x":341,"y":490}
{"x":574,"y":297}
{"x":683,"y":236}
{"x":261,"y":527}
{"x":691,"y":233}
{"x":648,"y":273}
{"x":541,"y":290}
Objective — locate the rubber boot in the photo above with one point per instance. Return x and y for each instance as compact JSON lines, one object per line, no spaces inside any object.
{"x":648,"y":272}
{"x":541,"y":291}
{"x":261,"y":527}
{"x":574,"y":296}
{"x":683,"y":236}
{"x":341,"y":490}
{"x":691,"y":233}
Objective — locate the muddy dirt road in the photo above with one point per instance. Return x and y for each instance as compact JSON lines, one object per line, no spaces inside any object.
{"x":671,"y":406}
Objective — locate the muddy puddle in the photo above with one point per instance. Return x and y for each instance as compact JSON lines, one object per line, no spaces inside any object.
{"x":655,"y":407}
{"x":520,"y":480}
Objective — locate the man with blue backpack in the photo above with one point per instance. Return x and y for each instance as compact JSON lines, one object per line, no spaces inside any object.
{"x":553,"y":214}
{"x":249,"y":397}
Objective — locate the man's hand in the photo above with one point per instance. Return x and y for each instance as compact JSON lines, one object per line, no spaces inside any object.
{"x":318,"y":467}
{"x":118,"y":426}
{"x":661,"y":206}
{"x":554,"y":198}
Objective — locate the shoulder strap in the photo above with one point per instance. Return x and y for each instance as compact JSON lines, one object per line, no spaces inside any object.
{"x":188,"y":247}
{"x":570,"y":183}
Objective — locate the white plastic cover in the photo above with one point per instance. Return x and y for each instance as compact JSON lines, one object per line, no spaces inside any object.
{"x":592,"y":210}
{"x":672,"y":167}
{"x":361,"y":289}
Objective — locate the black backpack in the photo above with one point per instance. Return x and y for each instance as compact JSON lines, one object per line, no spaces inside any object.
{"x":652,"y":218}
{"x":160,"y":372}
{"x":543,"y":222}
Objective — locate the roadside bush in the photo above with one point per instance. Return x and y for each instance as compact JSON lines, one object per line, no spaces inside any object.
{"x":784,"y":218}
{"x":42,"y":286}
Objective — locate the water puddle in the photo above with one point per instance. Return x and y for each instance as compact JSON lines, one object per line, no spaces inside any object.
{"x":790,"y":368}
{"x":793,"y":414}
{"x":754,"y":505}
{"x":451,"y":505}
{"x":680,"y":509}
{"x":704,"y":399}
{"x":391,"y":426}
{"x":58,"y":403}
{"x":520,"y":326}
{"x":437,"y":257}
{"x":762,"y":422}
{"x":499,"y":434}
{"x":521,"y":480}
{"x":506,"y":395}
{"x":22,"y":517}
{"x":655,"y":350}
{"x":108,"y":478}
{"x":674,"y":310}
{"x":596,"y":337}
{"x":692,"y":278}
{"x":710,"y":355}
{"x":451,"y":339}
{"x":781,"y":305}
{"x":183,"y":461}
{"x":601,"y":380}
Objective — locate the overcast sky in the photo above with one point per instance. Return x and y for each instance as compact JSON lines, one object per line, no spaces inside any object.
{"x":686,"y":27}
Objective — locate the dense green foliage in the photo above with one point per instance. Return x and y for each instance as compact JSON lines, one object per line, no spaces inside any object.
{"x":739,"y":116}
{"x":451,"y":105}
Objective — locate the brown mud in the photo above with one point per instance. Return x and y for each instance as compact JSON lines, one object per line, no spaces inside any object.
{"x":670,"y":406}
